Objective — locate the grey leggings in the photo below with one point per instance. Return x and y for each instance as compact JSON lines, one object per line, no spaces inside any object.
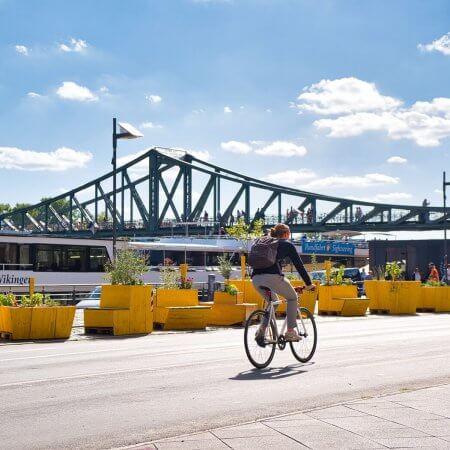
{"x":281,"y":286}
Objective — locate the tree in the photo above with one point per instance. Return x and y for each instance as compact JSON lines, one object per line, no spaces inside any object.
{"x":245,"y":233}
{"x":5,"y":208}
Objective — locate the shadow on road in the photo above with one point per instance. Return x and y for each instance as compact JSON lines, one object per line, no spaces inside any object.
{"x":271,"y":373}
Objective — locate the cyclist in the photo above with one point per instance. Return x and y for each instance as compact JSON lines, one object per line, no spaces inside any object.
{"x":272,"y":278}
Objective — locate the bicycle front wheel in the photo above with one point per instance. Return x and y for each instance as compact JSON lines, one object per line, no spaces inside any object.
{"x":304,"y":349}
{"x":259,"y":352}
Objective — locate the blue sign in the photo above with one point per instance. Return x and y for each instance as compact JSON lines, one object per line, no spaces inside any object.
{"x":328,"y":247}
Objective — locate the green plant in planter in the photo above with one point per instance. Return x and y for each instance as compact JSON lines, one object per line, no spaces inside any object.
{"x":393,"y":270}
{"x":314,"y":263}
{"x":225,"y":266}
{"x":37,"y":299}
{"x":169,"y":278}
{"x":230,"y":289}
{"x":291,"y":276}
{"x":8,"y":299}
{"x":128,"y":268}
{"x":432,"y":283}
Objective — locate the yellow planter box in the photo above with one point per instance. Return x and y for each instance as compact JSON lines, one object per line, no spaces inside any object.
{"x":181,"y":317}
{"x":224,"y":298}
{"x":435,"y":298}
{"x":123,"y":309}
{"x":226,"y":315}
{"x":37,"y":323}
{"x":331,"y":298}
{"x":371,"y":288}
{"x":176,"y":297}
{"x":443,"y":303}
{"x":397,"y":297}
{"x":251,"y":295}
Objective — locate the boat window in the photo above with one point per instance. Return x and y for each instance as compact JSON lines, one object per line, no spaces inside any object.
{"x":97,"y":259}
{"x":24,"y":255}
{"x":8,"y":254}
{"x":44,"y":257}
{"x":76,"y":259}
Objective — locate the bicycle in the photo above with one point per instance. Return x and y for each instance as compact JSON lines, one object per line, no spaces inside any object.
{"x":261,"y":351}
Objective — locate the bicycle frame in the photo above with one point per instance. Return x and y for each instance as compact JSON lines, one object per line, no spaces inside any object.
{"x":270,"y":309}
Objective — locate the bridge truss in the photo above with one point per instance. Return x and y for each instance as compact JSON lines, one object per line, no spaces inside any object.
{"x":163,"y":191}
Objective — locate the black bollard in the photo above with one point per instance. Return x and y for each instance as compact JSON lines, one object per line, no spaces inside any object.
{"x":211,"y":283}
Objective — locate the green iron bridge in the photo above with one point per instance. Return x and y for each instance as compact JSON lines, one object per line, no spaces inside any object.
{"x":164,"y":191}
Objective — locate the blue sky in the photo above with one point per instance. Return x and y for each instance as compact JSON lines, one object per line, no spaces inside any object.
{"x":340,"y":86}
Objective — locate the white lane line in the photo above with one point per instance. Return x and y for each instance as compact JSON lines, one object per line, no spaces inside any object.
{"x":114,"y":372}
{"x":36,"y":349}
{"x":399,"y":334}
{"x":325,"y":366}
{"x":177,"y":351}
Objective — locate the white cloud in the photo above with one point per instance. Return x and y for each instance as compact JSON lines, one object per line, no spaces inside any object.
{"x":153,"y":99}
{"x":104,"y":90}
{"x":355,"y":181}
{"x":396,"y":160}
{"x":344,"y":96}
{"x":150,"y":125}
{"x":436,"y":106}
{"x":438,"y":191}
{"x":33,"y":95}
{"x":22,"y":50}
{"x":290,"y":177}
{"x":236,"y":147}
{"x":227,"y":110}
{"x":72,"y":91}
{"x":426,"y":130}
{"x":282,"y":148}
{"x":361,"y":108}
{"x":59,"y":160}
{"x":441,"y":45}
{"x":74,"y":45}
{"x":203,"y":155}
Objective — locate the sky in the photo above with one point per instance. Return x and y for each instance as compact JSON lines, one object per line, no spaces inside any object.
{"x":347,"y":98}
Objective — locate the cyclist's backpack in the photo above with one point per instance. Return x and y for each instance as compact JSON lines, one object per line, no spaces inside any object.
{"x":263,"y":253}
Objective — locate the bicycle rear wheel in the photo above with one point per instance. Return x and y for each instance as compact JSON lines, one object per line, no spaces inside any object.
{"x":261,"y":353}
{"x":304,"y":349}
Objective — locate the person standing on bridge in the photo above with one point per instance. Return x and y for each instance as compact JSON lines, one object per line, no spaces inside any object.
{"x":265,"y":257}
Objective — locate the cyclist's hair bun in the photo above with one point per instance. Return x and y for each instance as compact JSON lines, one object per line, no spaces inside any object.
{"x":279,"y":230}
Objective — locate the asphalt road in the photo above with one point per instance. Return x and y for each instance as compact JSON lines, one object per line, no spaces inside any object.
{"x":110,"y":392}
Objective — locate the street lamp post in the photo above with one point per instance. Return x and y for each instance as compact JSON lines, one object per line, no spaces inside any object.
{"x":444,"y":193}
{"x":126,"y":131}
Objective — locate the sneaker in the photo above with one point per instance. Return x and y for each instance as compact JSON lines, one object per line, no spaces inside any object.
{"x":291,"y":336}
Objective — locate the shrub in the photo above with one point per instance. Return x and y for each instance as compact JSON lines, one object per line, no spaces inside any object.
{"x":128,"y":268}
{"x":169,"y":278}
{"x":291,"y":276}
{"x":230,"y":289}
{"x":8,"y":300}
{"x":225,"y":267}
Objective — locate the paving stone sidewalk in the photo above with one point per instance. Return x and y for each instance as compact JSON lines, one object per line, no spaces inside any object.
{"x":417,"y":419}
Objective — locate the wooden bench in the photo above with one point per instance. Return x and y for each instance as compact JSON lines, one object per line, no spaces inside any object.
{"x":341,"y":300}
{"x":123,"y":310}
{"x":179,"y":309}
{"x":229,"y":309}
